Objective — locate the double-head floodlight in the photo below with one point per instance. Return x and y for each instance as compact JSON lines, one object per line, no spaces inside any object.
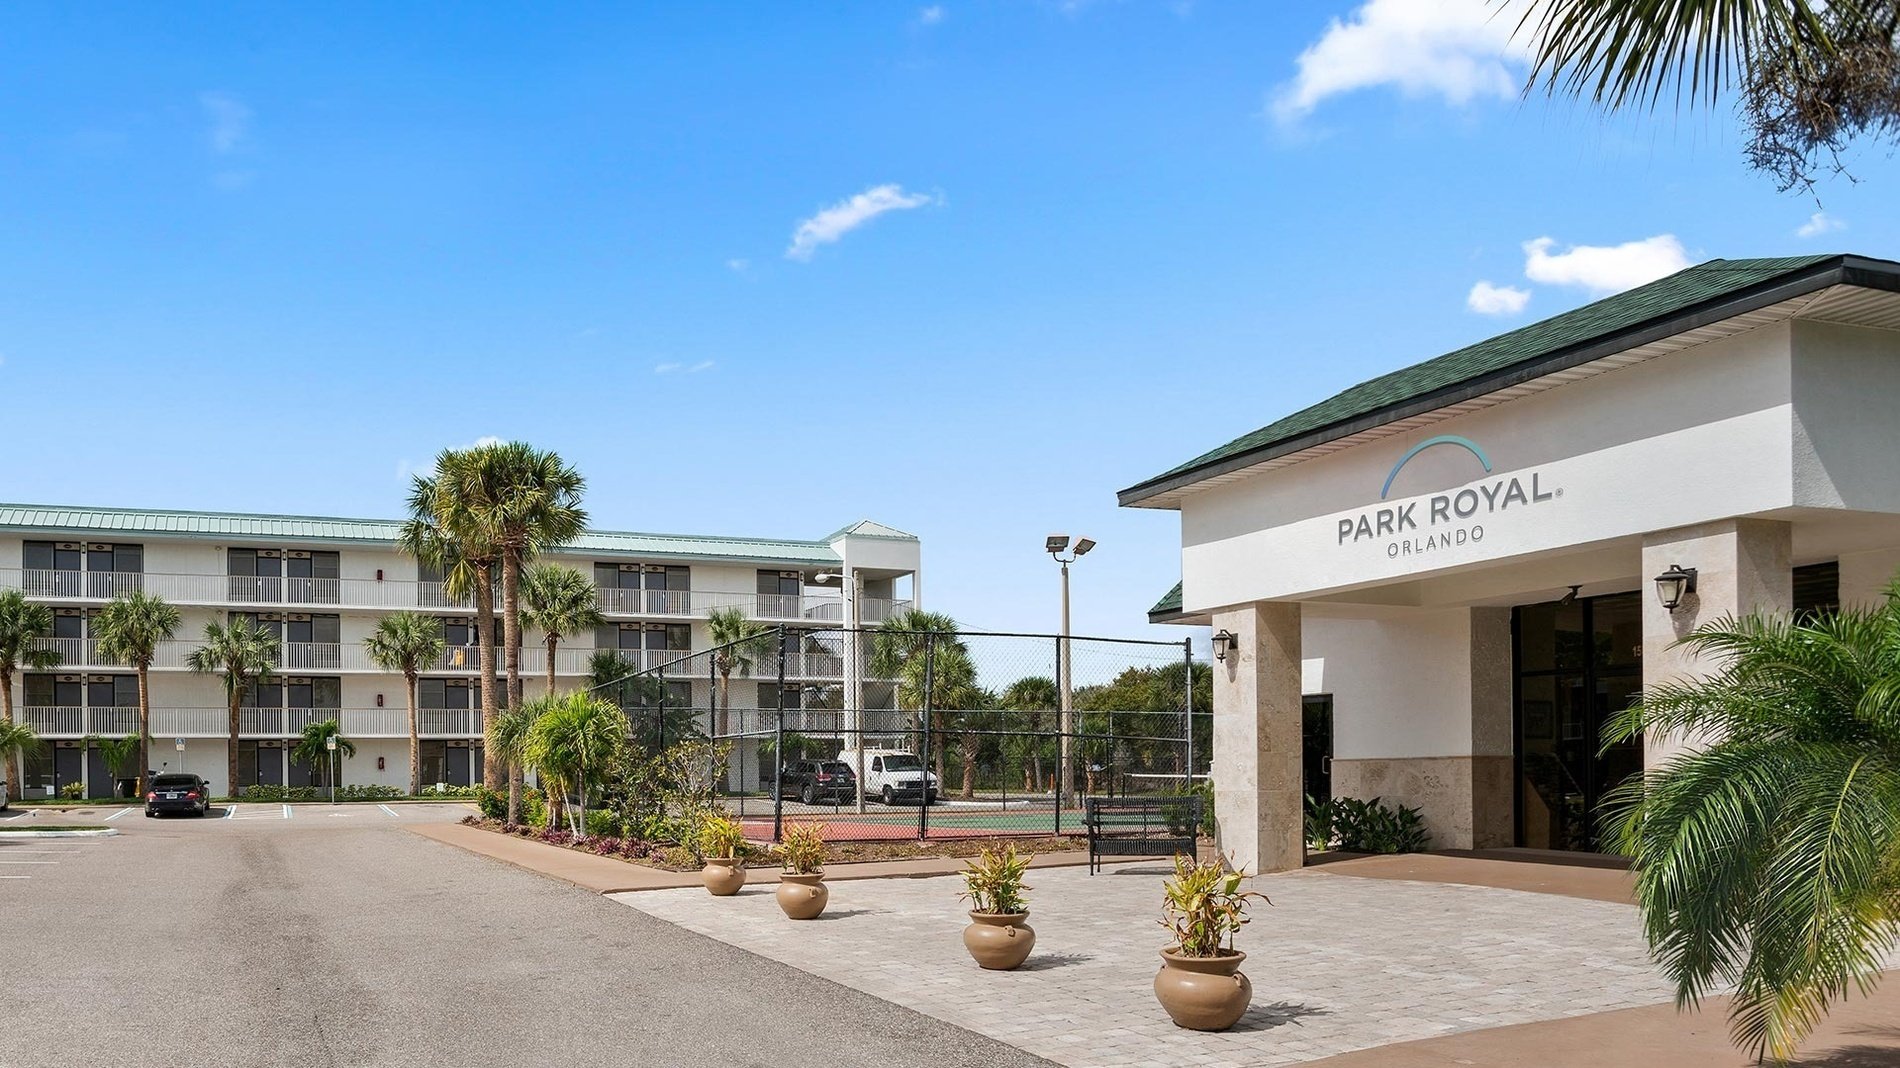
{"x":1083,"y":545}
{"x":1056,"y":543}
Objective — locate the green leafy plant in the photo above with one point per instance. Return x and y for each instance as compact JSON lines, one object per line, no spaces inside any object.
{"x":1319,"y":823}
{"x":1180,"y":815}
{"x":721,"y":837}
{"x":1768,"y":857}
{"x":1376,"y":827}
{"x":73,"y":791}
{"x":993,"y":881}
{"x":803,"y":849}
{"x":1204,"y":907}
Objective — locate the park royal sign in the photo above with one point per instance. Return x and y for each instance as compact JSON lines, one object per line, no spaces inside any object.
{"x":1443,"y":520}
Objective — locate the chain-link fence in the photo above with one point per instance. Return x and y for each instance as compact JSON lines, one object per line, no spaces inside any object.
{"x":885,"y":734}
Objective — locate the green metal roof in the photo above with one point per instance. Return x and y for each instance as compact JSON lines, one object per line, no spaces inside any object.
{"x":1705,"y":293}
{"x":1168,"y":605}
{"x":58,"y":519}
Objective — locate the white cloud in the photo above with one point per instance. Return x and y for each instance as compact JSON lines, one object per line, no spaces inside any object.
{"x":484,"y":440}
{"x":1820,"y":223}
{"x":738,"y":265}
{"x":847,"y":215}
{"x":677,"y":368}
{"x":1604,"y":269}
{"x":1487,"y":299}
{"x":1460,"y":50}
{"x":230,"y":120}
{"x":931,"y":15}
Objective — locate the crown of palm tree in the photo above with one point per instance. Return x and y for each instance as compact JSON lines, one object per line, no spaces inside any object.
{"x":18,"y":739}
{"x":1770,"y":857}
{"x":518,"y":498}
{"x":441,"y":533}
{"x":313,"y":745}
{"x":404,"y":642}
{"x":131,"y":625}
{"x":22,"y":624}
{"x":240,"y":651}
{"x":560,"y":601}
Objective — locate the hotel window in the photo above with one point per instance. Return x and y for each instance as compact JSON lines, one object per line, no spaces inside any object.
{"x":445,"y":693}
{"x":312,"y":577}
{"x":82,"y":569}
{"x":277,"y":575}
{"x":778,"y":593}
{"x":652,"y":589}
{"x":55,"y":691}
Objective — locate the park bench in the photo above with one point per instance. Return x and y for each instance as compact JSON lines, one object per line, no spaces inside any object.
{"x":1140,"y":826}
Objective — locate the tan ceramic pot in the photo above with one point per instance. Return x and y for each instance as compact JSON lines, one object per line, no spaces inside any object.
{"x":1203,"y":993}
{"x":999,"y":941}
{"x":723,"y":875}
{"x":802,"y":897}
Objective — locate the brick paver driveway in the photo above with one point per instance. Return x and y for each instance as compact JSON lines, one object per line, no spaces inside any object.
{"x":1338,"y":963}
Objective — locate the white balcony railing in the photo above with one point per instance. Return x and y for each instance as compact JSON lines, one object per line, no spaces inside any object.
{"x":54,"y":719}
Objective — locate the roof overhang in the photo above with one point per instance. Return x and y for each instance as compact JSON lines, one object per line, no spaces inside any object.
{"x":1849,"y":289}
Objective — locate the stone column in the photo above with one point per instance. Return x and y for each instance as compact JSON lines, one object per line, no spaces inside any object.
{"x":1742,"y":566}
{"x":1493,"y":739}
{"x":1258,"y":787}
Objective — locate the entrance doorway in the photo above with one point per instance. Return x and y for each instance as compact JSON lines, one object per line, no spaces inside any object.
{"x":1577,"y":664}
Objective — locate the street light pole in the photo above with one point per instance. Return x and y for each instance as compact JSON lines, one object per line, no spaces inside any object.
{"x":1055,"y":545}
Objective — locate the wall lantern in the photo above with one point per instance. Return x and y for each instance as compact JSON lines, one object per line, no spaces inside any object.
{"x":1673,"y":583}
{"x":1223,"y":641}
{"x":379,"y":700}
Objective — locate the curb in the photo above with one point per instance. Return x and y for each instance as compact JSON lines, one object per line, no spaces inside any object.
{"x":104,"y":832}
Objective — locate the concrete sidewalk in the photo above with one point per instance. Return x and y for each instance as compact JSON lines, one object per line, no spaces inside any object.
{"x":605,"y":875}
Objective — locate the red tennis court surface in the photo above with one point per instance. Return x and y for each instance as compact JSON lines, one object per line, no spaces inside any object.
{"x":849,"y":826}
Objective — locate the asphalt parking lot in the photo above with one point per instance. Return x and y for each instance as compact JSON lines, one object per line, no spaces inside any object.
{"x":337,"y":937}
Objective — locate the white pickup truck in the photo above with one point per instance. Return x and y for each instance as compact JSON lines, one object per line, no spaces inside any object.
{"x":893,"y":775}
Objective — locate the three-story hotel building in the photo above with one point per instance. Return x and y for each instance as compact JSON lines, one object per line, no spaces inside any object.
{"x":320,"y":585}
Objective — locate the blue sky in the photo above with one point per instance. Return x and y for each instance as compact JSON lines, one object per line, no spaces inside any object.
{"x":271,"y":259}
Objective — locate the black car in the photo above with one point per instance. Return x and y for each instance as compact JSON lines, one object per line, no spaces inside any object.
{"x":815,"y":781}
{"x":177,"y":793}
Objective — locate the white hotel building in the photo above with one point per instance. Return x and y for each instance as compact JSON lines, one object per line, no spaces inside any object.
{"x":1465,"y":559}
{"x":321,"y":584}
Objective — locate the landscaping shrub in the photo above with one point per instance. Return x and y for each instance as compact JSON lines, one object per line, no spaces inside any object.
{"x":494,"y":805}
{"x":1375,"y":827}
{"x":455,"y":793}
{"x":602,"y":822}
{"x":263,"y":792}
{"x":73,"y":791}
{"x":1319,"y":823}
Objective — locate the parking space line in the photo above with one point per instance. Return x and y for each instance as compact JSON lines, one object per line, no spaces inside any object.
{"x":15,"y":876}
{"x":390,"y":812}
{"x":286,"y":811}
{"x":29,"y":862}
{"x":117,"y":814}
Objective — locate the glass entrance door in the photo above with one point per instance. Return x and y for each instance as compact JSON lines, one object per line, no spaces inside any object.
{"x":1577,"y":664}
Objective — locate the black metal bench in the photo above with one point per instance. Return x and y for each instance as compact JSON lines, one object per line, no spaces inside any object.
{"x":1140,"y":826}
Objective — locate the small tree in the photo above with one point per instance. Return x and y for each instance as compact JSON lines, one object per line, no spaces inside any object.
{"x":738,"y":643}
{"x":22,"y":625}
{"x":129,"y":629}
{"x":404,"y":642}
{"x":313,"y":747}
{"x":17,"y":740}
{"x":507,"y":739}
{"x":573,"y":740}
{"x":242,"y":655}
{"x":560,"y":602}
{"x":122,"y":756}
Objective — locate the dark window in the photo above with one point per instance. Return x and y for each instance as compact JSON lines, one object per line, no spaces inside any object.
{"x":1817,"y":589}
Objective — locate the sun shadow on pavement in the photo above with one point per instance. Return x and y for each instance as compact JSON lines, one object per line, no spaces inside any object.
{"x":1279,"y":1014}
{"x":1045,"y":961}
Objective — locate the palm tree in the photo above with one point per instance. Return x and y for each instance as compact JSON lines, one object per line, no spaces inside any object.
{"x":1811,"y":74}
{"x":22,"y":625}
{"x":560,"y":602}
{"x":439,"y":534}
{"x":405,"y":641}
{"x":574,"y":738}
{"x":313,"y":747}
{"x":524,"y":501}
{"x":129,"y":629}
{"x":244,"y":655}
{"x":1770,"y":858}
{"x":1034,"y":695}
{"x":737,"y":643}
{"x":921,"y":650}
{"x":507,"y":741}
{"x":17,"y":740}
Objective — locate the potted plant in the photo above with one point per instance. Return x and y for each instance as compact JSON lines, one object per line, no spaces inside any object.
{"x":1200,"y":984}
{"x":720,"y":841}
{"x":801,"y":883}
{"x":997,"y":937}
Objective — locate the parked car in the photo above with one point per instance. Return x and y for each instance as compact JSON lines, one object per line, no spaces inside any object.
{"x":177,"y":793}
{"x":813,"y":781}
{"x":894,"y":775}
